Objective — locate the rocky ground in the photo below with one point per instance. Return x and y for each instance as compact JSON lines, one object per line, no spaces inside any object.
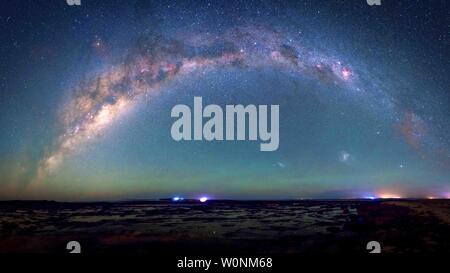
{"x":400,"y":226}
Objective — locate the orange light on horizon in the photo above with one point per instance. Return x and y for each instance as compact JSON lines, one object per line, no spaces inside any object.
{"x":389,"y":196}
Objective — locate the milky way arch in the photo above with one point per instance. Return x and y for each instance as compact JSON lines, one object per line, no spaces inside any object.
{"x":154,"y":60}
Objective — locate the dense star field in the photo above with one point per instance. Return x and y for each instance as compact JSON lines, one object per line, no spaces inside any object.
{"x":86,"y":93}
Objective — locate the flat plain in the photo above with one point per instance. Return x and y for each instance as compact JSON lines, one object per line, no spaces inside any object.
{"x":215,"y":227}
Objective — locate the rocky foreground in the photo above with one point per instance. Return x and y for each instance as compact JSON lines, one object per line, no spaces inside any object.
{"x":400,"y":226}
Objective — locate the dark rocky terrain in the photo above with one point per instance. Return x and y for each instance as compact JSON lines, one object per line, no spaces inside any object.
{"x":401,"y":226}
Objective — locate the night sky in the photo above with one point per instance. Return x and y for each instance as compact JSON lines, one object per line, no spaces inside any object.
{"x":86,"y":93}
